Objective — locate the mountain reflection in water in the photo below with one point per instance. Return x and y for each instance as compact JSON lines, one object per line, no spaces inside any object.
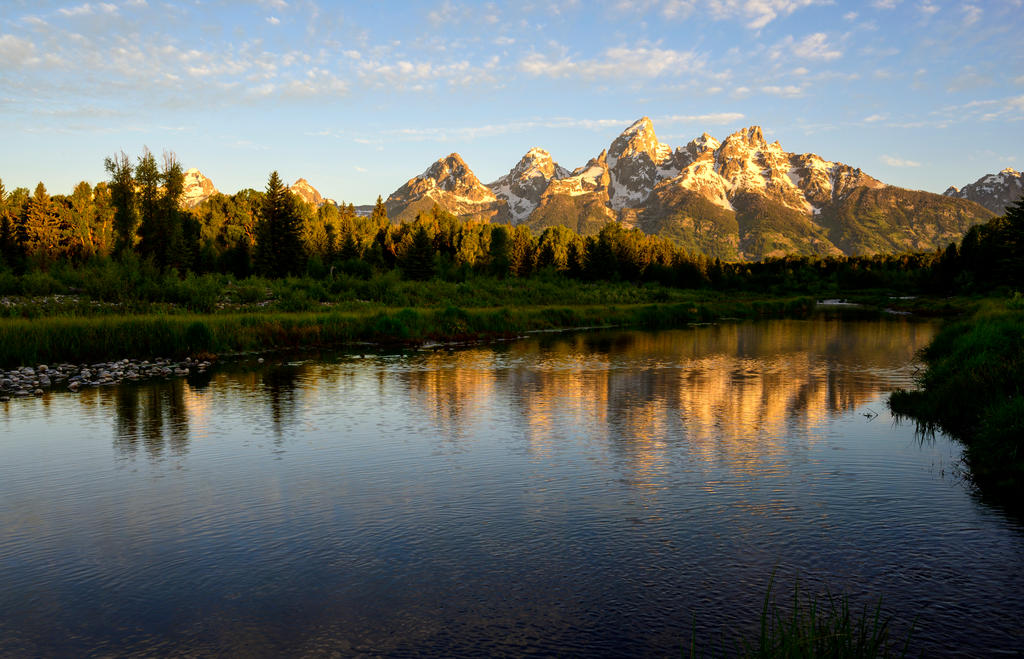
{"x":599,"y":493}
{"x":716,"y":386}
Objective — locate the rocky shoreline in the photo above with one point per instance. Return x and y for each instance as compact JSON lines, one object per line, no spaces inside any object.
{"x":36,"y":381}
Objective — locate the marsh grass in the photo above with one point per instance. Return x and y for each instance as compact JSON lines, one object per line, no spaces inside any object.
{"x":972,"y":388}
{"x":51,"y":339}
{"x":810,"y":627}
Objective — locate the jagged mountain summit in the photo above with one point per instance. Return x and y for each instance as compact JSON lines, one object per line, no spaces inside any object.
{"x":307,"y":193}
{"x":450,"y":184}
{"x":197,"y":189}
{"x":993,"y":191}
{"x":523,"y":186}
{"x":739,"y":198}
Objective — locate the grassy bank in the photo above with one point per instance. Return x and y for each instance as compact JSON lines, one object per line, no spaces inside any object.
{"x":973,"y":389}
{"x":54,"y":339}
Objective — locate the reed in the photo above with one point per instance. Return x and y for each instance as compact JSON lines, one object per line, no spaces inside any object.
{"x":972,"y":389}
{"x":809,"y":627}
{"x":76,"y":338}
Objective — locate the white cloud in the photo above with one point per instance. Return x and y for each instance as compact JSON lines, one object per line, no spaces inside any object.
{"x":850,"y":16}
{"x":885,"y":4}
{"x":273,"y":20}
{"x":972,"y":13}
{"x":418,"y":75}
{"x":359,"y":169}
{"x":928,"y":8}
{"x":504,"y":41}
{"x":713,"y":118}
{"x":756,"y":13}
{"x":816,"y":46}
{"x":899,"y":162}
{"x":466,"y":133}
{"x":787,"y":90}
{"x":89,"y":8}
{"x":16,"y":52}
{"x":618,"y":62}
{"x":874,"y":117}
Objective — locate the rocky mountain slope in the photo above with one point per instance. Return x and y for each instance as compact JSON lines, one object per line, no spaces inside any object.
{"x":993,"y":191}
{"x":739,"y":198}
{"x":308,"y":193}
{"x":197,"y":189}
{"x":451,"y":184}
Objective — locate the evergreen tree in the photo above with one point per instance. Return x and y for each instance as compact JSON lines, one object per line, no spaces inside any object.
{"x":379,"y":215}
{"x":6,"y":226}
{"x":521,"y":251}
{"x":178,"y":242}
{"x":42,"y":227}
{"x":147,"y":191}
{"x":82,"y":219}
{"x":279,"y":249}
{"x":419,"y":257}
{"x":122,"y":198}
{"x":498,"y":252}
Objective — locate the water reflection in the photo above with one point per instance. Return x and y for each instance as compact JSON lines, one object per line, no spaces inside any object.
{"x":560,"y":495}
{"x":156,"y":415}
{"x":714,"y":386}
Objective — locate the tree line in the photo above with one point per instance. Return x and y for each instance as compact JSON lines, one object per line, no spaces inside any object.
{"x":274,"y":233}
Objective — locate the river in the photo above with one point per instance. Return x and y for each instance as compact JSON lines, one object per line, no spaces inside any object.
{"x":601,"y":493}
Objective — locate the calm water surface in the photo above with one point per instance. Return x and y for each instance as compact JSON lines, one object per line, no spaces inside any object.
{"x":598,"y":494}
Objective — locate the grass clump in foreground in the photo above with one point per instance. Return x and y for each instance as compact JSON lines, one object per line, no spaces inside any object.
{"x":972,"y":388}
{"x":809,"y":628}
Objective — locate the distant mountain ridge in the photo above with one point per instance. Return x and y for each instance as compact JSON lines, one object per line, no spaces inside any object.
{"x":741,"y":198}
{"x":198,"y":188}
{"x":993,"y":191}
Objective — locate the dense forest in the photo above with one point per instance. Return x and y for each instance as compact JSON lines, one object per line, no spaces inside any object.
{"x":135,"y":218}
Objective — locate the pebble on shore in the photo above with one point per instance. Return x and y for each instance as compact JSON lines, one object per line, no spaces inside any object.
{"x":28,"y":381}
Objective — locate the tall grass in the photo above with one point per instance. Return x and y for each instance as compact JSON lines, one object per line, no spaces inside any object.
{"x":84,"y":338}
{"x":809,"y":627}
{"x":972,"y":388}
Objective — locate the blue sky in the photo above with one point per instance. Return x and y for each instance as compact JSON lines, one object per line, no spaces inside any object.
{"x":358,"y":97}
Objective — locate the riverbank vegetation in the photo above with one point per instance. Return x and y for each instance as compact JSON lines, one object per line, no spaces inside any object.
{"x":63,"y":338}
{"x":972,"y":388}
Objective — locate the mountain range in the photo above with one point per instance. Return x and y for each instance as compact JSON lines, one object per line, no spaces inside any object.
{"x":198,"y":188}
{"x":738,"y":198}
{"x":993,"y":191}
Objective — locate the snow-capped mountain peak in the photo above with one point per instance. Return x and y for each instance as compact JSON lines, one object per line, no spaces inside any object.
{"x":993,"y":191}
{"x":523,"y":186}
{"x":643,"y":183}
{"x":197,"y":188}
{"x":449,"y":183}
{"x":636,"y":162}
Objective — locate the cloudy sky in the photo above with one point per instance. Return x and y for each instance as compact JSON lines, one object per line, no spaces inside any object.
{"x":358,"y":97}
